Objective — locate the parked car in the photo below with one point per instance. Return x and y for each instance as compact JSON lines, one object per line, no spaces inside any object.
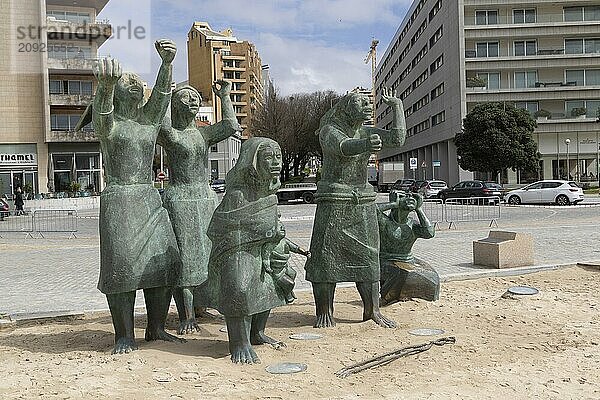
{"x":403,"y":184}
{"x":4,"y":209}
{"x":472,"y":189}
{"x":295,"y":191}
{"x":429,"y":188}
{"x":218,"y":185}
{"x":416,"y":185}
{"x":549,"y":191}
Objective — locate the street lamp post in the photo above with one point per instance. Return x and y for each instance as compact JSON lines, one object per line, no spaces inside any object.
{"x":568,"y":142}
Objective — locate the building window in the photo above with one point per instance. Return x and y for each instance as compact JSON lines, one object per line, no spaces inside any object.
{"x":420,"y":79}
{"x":591,"y":107}
{"x":423,"y":126}
{"x":423,"y":101}
{"x":492,"y":79}
{"x":487,"y":49}
{"x":436,"y":36}
{"x":66,"y":122}
{"x":575,"y":75}
{"x":525,"y":79}
{"x":214,"y":149}
{"x":486,"y":17}
{"x":437,"y":64}
{"x":581,"y":13}
{"x":73,"y":17}
{"x":214,"y":169}
{"x":435,"y":9}
{"x":579,"y":46}
{"x":531,"y":106}
{"x":438,"y":118}
{"x":56,"y":87}
{"x":525,"y":48}
{"x":591,"y":45}
{"x":438,"y":91}
{"x":524,"y":16}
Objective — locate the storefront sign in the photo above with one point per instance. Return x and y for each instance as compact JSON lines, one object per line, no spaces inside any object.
{"x":18,"y":159}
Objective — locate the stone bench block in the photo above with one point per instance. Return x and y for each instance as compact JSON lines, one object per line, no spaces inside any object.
{"x":502,"y":249}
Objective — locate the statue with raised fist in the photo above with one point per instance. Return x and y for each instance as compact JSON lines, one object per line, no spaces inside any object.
{"x":138,"y":249}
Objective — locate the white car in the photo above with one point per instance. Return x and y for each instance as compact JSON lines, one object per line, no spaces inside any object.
{"x":551,"y":191}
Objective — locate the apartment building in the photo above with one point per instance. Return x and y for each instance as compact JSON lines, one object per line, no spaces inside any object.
{"x":46,"y":82}
{"x":543,"y":56}
{"x":216,"y":55}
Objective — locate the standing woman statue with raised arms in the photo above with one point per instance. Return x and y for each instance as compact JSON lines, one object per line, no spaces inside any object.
{"x":189,"y":198}
{"x":138,"y":249}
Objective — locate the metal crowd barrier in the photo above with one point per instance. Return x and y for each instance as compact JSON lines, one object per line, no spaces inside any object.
{"x":55,"y":221}
{"x":472,"y":209}
{"x":434,"y":210}
{"x":10,"y":222}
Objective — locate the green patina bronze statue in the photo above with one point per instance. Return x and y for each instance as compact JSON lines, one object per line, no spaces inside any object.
{"x":138,"y":249}
{"x":402,"y":275}
{"x":189,"y":198}
{"x":248,"y":273}
{"x":345,"y":237}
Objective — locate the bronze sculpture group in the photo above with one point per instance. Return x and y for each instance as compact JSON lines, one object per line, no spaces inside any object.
{"x":231,"y":256}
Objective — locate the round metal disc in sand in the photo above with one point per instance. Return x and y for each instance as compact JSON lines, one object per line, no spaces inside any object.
{"x":223,"y":329}
{"x":306,"y":336}
{"x":426,"y":332}
{"x":523,"y":290}
{"x":286,"y":368}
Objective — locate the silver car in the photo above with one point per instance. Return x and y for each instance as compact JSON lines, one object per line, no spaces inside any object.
{"x":547,"y":192}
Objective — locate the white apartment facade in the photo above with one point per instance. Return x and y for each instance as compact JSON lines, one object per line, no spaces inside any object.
{"x":539,"y":55}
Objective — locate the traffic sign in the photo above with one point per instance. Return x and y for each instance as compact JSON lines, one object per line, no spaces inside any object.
{"x":413,"y":163}
{"x":423,"y":164}
{"x":161,"y":176}
{"x":436,"y":163}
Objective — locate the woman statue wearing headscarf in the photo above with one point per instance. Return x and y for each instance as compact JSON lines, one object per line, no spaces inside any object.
{"x":245,"y":230}
{"x":345,"y":237}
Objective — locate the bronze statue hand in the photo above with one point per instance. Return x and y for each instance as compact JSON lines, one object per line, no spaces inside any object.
{"x":389,"y":97}
{"x":108,"y":71}
{"x":374,"y":143}
{"x":419,"y":200}
{"x":166,"y":50}
{"x":223,"y":89}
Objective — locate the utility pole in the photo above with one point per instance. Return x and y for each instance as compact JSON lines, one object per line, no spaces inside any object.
{"x":372,"y":56}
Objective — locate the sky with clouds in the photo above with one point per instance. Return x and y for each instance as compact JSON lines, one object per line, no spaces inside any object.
{"x":309,"y":44}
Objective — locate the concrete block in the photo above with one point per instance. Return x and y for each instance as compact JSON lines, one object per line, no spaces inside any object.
{"x":502,"y":249}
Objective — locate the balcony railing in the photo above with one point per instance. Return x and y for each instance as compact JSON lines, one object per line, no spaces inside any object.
{"x":504,"y":18}
{"x":64,"y":99}
{"x":538,"y":52}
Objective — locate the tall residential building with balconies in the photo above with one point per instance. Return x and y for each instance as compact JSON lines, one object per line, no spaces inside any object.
{"x":216,"y":55}
{"x":46,"y":82}
{"x":538,"y":55}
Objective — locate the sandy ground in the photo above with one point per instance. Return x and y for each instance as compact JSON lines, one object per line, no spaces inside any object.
{"x":545,"y":346}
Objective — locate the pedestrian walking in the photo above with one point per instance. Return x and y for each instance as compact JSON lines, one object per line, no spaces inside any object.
{"x":19,"y":203}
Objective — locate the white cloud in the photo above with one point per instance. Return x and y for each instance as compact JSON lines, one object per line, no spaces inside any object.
{"x":305,"y":66}
{"x":309,"y":44}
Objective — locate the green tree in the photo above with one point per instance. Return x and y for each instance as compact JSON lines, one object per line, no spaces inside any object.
{"x":292,"y":121}
{"x":497,"y":136}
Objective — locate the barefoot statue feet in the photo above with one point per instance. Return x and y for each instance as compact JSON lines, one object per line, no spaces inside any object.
{"x":260,"y":338}
{"x":244,"y":354}
{"x":188,"y":326}
{"x":160,"y":334}
{"x":324,"y":321}
{"x":380,"y":320}
{"x":124,"y":345}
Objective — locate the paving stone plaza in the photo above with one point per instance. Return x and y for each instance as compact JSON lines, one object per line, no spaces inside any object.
{"x":59,"y":275}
